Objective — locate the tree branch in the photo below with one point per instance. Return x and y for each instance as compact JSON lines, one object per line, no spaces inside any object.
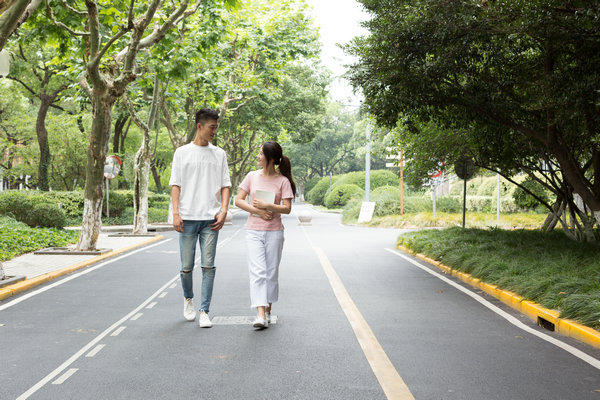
{"x":61,"y":25}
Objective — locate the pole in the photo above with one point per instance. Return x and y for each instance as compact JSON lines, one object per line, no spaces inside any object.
{"x":368,"y":163}
{"x":107,"y":214}
{"x":433,"y":196}
{"x":401,"y":183}
{"x":498,"y":199}
{"x":464,"y":200}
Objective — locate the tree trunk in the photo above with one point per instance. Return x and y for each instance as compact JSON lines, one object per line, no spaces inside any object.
{"x":141,"y":172}
{"x":9,"y":20}
{"x":94,"y":173}
{"x":42,"y":136}
{"x":156,"y":177}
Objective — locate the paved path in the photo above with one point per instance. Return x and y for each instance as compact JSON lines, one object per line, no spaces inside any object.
{"x":356,"y":320}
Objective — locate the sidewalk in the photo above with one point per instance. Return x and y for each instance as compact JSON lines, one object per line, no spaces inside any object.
{"x":30,"y":270}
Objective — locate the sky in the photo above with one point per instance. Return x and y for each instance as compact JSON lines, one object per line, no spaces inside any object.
{"x":338,"y":22}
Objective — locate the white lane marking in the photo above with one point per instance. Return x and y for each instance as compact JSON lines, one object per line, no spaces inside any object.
{"x":566,"y":347}
{"x":162,"y":295}
{"x":172,"y":286}
{"x":95,"y":351}
{"x":101,"y":336}
{"x":118,"y":331}
{"x":77,"y":275}
{"x":136,"y":316}
{"x":92,"y":343}
{"x":151,"y":305}
{"x":65,"y":376}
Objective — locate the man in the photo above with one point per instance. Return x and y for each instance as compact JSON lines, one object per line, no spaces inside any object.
{"x":200,"y":191}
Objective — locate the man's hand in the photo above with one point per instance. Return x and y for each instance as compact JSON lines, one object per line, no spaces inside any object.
{"x":220,"y":221}
{"x":177,"y":223}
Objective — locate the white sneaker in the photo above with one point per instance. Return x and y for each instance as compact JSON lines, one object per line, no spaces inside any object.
{"x":260,"y":323}
{"x":268,"y":317}
{"x":204,"y":321}
{"x":188,"y":310}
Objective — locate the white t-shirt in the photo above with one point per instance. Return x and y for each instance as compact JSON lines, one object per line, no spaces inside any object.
{"x":200,"y":172}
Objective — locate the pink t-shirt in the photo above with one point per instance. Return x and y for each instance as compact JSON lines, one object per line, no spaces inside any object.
{"x":278,"y":184}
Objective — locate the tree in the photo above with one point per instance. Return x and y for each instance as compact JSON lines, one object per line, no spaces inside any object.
{"x":44,"y":77}
{"x":113,"y":35}
{"x":520,"y":73}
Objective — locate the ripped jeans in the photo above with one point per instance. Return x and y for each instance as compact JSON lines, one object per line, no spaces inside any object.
{"x":198,"y":231}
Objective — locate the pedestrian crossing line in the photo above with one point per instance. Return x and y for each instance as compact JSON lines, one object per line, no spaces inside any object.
{"x":162,"y":295}
{"x":65,"y":376}
{"x":391,"y":382}
{"x":151,"y":305}
{"x":95,"y":351}
{"x":136,"y":316}
{"x":118,"y":331}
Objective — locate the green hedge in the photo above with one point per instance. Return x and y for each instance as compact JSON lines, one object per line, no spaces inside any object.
{"x":341,"y":194}
{"x":34,"y":210}
{"x":317,"y":194}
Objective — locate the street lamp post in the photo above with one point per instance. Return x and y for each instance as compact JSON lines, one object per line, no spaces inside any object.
{"x":368,"y":163}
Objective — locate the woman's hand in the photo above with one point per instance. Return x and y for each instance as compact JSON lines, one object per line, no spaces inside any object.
{"x":264,"y":214}
{"x":261,"y":205}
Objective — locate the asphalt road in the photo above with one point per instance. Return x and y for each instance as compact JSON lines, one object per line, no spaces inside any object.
{"x":356,"y":320}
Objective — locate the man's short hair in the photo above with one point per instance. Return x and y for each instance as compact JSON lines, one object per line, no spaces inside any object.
{"x":206,"y":114}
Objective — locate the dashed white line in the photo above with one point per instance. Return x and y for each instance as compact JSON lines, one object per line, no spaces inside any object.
{"x":98,"y":338}
{"x":173,"y":286}
{"x":95,"y":351}
{"x":136,"y":316}
{"x":65,"y":376}
{"x":151,"y":305}
{"x":162,"y":295}
{"x":118,"y":331}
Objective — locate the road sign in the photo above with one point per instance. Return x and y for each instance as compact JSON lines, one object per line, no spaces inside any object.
{"x":112,"y":167}
{"x":464,"y":168}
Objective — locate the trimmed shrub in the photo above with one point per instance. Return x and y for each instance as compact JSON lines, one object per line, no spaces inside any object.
{"x":71,"y":203}
{"x":317,"y":194}
{"x":15,"y":204}
{"x":526,"y":201}
{"x":381,"y":177}
{"x":341,"y":194}
{"x":117,"y":203}
{"x":311,"y":184}
{"x":46,"y":215}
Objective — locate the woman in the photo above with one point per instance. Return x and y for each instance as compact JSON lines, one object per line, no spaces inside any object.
{"x":264,"y":236}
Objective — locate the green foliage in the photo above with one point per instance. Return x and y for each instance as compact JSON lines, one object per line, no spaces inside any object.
{"x":526,"y":201}
{"x":45,"y":215}
{"x":15,"y":204}
{"x":31,"y":208}
{"x":17,"y":238}
{"x":340,"y":195}
{"x":547,"y":268}
{"x":70,"y":202}
{"x":117,"y":203}
{"x":311,"y":183}
{"x":317,"y":194}
{"x":378,"y":178}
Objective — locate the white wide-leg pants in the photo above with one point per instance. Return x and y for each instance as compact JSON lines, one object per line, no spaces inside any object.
{"x":264,"y":255}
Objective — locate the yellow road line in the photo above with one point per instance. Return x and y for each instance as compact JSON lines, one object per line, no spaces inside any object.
{"x":391,"y":382}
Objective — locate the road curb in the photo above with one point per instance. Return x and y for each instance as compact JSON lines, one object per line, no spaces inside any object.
{"x":27,"y":284}
{"x":539,"y":314}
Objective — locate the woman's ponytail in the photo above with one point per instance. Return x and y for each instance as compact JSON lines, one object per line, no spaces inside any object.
{"x":285,"y":169}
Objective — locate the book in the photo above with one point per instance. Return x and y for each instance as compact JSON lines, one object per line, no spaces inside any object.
{"x":264,"y":195}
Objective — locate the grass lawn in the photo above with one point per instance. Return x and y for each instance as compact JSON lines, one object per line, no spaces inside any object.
{"x":546,"y":268}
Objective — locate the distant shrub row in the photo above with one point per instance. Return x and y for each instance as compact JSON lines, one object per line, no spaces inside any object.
{"x":51,"y":209}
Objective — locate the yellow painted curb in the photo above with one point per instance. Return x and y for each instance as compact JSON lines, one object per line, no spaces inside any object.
{"x":27,"y":284}
{"x":532,"y":310}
